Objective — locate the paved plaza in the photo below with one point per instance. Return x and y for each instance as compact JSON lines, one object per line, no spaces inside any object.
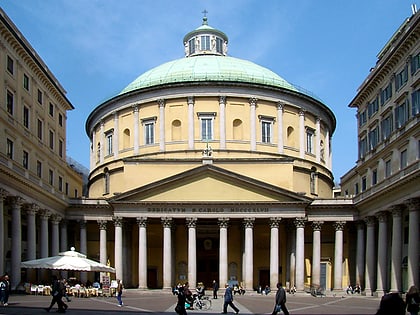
{"x":160,"y":302}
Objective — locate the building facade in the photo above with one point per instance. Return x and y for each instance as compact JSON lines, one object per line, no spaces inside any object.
{"x":36,"y":182}
{"x":384,"y":184}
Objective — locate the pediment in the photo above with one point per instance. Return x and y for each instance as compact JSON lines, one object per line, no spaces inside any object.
{"x":209,"y":183}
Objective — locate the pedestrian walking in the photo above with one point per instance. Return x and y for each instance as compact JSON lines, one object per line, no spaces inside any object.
{"x":120,"y":288}
{"x":57,"y":292}
{"x":412,"y":300}
{"x":180,"y":305}
{"x":4,"y":290}
{"x":229,"y":300}
{"x":215,"y":289}
{"x":280,"y":300}
{"x":391,"y":304}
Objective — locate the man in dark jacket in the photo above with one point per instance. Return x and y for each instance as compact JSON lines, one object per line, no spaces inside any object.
{"x":280,"y":300}
{"x":57,"y":291}
{"x":229,"y":300}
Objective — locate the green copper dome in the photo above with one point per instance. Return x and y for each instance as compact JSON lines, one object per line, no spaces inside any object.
{"x":208,"y":68}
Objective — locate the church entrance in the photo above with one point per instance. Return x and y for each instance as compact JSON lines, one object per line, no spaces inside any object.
{"x":207,"y":261}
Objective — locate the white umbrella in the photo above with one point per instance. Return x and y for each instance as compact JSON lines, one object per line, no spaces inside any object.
{"x":69,"y":260}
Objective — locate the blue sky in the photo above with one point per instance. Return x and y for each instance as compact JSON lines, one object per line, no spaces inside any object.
{"x":95,"y":48}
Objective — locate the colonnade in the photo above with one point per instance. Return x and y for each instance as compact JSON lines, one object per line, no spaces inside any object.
{"x":98,"y":151}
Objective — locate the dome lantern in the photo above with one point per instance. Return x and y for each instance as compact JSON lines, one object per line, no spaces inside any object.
{"x":205,"y":40}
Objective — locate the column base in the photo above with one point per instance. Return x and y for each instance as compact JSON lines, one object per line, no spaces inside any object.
{"x":367,"y":292}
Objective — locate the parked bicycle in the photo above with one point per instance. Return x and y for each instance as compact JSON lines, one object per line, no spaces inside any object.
{"x":198,"y":303}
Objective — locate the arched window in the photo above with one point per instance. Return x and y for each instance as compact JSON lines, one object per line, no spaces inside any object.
{"x":176,"y":130}
{"x":237,"y":129}
{"x":291,"y":137}
{"x":126,"y":139}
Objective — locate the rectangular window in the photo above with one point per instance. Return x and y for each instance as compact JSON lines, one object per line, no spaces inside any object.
{"x":401,"y":78}
{"x":415,"y":103}
{"x":373,"y":137}
{"x":25,"y":82}
{"x":356,"y":188}
{"x":9,"y":151}
{"x":386,"y":93}
{"x":39,"y":96}
{"x":10,"y":65}
{"x":60,"y":120}
{"x":387,"y":168}
{"x":67,"y":189}
{"x":25,"y":159}
{"x":109,"y":146}
{"x":362,"y":147}
{"x":39,"y":131}
{"x":205,"y":42}
{"x":373,"y":107}
{"x":60,"y":148}
{"x":403,"y":159}
{"x":401,"y":114}
{"x":51,"y":110}
{"x":76,"y":194}
{"x":362,"y":118}
{"x":51,"y":177}
{"x":219,"y":45}
{"x":51,"y":138}
{"x":387,"y":127}
{"x":266,"y":131}
{"x":39,"y":169}
{"x":206,"y":128}
{"x":415,"y":63}
{"x":191,"y":46}
{"x":149,"y":132}
{"x":374,"y":177}
{"x":10,"y":102}
{"x":60,"y":183}
{"x":26,"y":116}
{"x":309,"y":141}
{"x":364,"y":183}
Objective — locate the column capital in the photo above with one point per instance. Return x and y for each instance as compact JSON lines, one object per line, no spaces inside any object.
{"x":253,"y":101}
{"x":56,"y":218}
{"x":370,"y":221}
{"x":382,"y":216}
{"x":360,"y":224}
{"x":142,"y":221}
{"x":317,"y":225}
{"x":135,"y":108}
{"x":413,"y":204}
{"x":299,"y":222}
{"x":161,"y":102}
{"x":339,"y":225}
{"x":31,"y":208}
{"x":118,"y":221}
{"x":190,"y":100}
{"x":223,"y":223}
{"x":274,"y":223}
{"x":249,"y":222}
{"x":44,"y":214}
{"x":280,"y":105}
{"x":397,"y":210}
{"x":191,"y":222}
{"x":301,"y":112}
{"x":222,"y":99}
{"x":15,"y":201}
{"x":102,"y":224}
{"x":3,"y":194}
{"x":166,"y":222}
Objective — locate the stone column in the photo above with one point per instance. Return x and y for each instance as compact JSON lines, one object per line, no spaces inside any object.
{"x":413,"y":242}
{"x":103,"y":254}
{"x":396,"y":245}
{"x":31,"y":211}
{"x":136,"y":130}
{"x":55,"y":235}
{"x":274,"y":252}
{"x":16,"y":259}
{"x":167,"y":253}
{"x":3,"y":195}
{"x":280,"y":140}
{"x":382,"y":267}
{"x":316,"y":253}
{"x":300,"y":253}
{"x":93,"y":152}
{"x":253,"y":123}
{"x":118,"y":250}
{"x":44,"y":214}
{"x":291,"y":272}
{"x":83,"y":246}
{"x":360,"y":259}
{"x":190,"y":122}
{"x":63,"y":236}
{"x":370,"y":255}
{"x":192,"y":252}
{"x":338,"y":255}
{"x":302,"y":134}
{"x":116,"y":136}
{"x":142,"y":223}
{"x":222,"y":122}
{"x":249,"y":253}
{"x":223,"y":250}
{"x":162,"y":140}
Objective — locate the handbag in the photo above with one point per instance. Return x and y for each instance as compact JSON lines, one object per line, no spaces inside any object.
{"x":277,"y":308}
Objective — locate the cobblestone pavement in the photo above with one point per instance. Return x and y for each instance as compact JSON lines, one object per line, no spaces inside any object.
{"x":160,"y":302}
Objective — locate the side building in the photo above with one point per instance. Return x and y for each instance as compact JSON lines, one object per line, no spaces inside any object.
{"x":36,"y":182}
{"x":384,"y":184}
